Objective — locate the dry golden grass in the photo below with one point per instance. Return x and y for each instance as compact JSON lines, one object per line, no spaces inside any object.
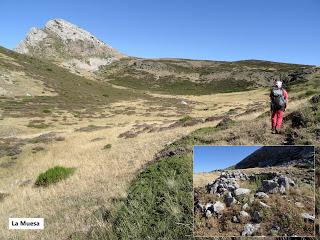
{"x":101,"y":175}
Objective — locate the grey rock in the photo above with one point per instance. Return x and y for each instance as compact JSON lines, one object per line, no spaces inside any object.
{"x":249,"y":229}
{"x":282,"y":189}
{"x":285,"y":181}
{"x":229,"y":199}
{"x":244,"y":214}
{"x":257,"y":217}
{"x":242,"y":191}
{"x":200,"y":206}
{"x":235,"y":219}
{"x":270,"y":186}
{"x":218,"y":207}
{"x":274,"y":230}
{"x":245,"y":206}
{"x":262,"y":204}
{"x":208,"y":206}
{"x":299,"y":204}
{"x":208,"y":213}
{"x":262,"y":195}
{"x":308,"y":217}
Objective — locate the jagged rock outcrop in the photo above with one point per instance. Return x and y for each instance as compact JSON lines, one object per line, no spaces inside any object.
{"x":66,"y":43}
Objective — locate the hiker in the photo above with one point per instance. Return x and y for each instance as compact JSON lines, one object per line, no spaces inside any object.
{"x":279,"y":101}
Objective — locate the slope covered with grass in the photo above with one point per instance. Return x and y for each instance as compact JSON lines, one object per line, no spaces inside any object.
{"x":70,"y":91}
{"x":197,"y":77}
{"x":156,"y":207}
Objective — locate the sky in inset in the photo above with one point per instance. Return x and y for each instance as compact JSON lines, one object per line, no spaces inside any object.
{"x":208,"y":158}
{"x":284,"y":31}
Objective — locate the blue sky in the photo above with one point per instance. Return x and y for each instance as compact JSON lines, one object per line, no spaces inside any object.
{"x":208,"y":158}
{"x":285,"y":31}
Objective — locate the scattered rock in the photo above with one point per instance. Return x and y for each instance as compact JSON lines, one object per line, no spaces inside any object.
{"x":229,"y":199}
{"x":244,"y":214}
{"x":245,"y":206}
{"x":242,"y":191}
{"x":307,"y":217}
{"x":261,"y":195}
{"x":208,"y":213}
{"x":299,"y":204}
{"x":257,"y":217}
{"x":249,"y":229}
{"x":262,"y":204}
{"x":270,"y":186}
{"x":274,"y":230}
{"x":218,"y":207}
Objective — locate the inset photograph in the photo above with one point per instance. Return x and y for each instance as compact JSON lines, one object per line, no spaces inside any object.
{"x":254,"y":191}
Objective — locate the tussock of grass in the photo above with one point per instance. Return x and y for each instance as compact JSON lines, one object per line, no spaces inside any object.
{"x":53,"y":175}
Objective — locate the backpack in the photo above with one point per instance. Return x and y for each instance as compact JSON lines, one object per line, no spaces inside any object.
{"x":277,"y":99}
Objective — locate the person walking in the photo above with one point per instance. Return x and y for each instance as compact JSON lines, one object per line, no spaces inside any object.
{"x":279,"y":101}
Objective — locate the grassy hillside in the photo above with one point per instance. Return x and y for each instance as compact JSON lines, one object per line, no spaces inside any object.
{"x":67,"y":91}
{"x":182,"y":76}
{"x":175,"y":210}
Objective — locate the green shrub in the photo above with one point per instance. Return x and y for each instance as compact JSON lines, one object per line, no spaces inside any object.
{"x":46,"y":111}
{"x":185,"y":118}
{"x":53,"y":175}
{"x":107,"y":146}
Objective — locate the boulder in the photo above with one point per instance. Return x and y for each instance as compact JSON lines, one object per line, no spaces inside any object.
{"x":261,"y":195}
{"x":249,"y":229}
{"x":307,"y":217}
{"x":285,"y":181}
{"x":218,"y":207}
{"x":229,"y":199}
{"x":208,"y":213}
{"x":257,"y":217}
{"x":244,"y":214}
{"x":200,"y":206}
{"x":208,"y":206}
{"x":270,"y":186}
{"x":242,"y":191}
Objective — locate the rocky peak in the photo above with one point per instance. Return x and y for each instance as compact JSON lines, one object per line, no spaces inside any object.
{"x":68,"y":44}
{"x":68,"y":31}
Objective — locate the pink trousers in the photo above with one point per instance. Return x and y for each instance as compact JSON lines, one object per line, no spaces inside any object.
{"x":276,"y":118}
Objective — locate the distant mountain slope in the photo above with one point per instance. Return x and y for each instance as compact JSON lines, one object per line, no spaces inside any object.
{"x":67,"y":43}
{"x":276,"y":156}
{"x":184,"y":76}
{"x":29,"y":85}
